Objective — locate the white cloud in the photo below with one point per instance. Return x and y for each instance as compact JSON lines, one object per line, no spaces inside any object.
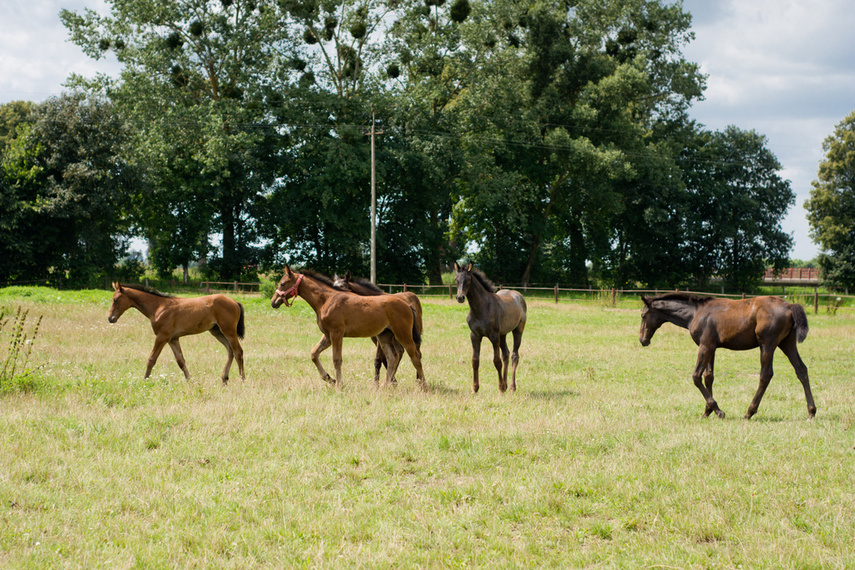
{"x":785,"y":68}
{"x":36,"y":56}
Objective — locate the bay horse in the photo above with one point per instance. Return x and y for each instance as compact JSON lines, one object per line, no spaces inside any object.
{"x":493,"y":315}
{"x":342,"y":314}
{"x":365,"y":288}
{"x":174,"y":317}
{"x":765,"y":322}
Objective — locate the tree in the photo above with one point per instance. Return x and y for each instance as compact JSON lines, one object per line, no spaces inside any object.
{"x":831,"y":206}
{"x":67,"y":187}
{"x":11,"y":115}
{"x":736,"y":203}
{"x":569,"y":100}
{"x":197,"y":76}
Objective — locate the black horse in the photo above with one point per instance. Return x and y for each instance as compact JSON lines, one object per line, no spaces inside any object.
{"x":493,"y":315}
{"x":765,"y":322}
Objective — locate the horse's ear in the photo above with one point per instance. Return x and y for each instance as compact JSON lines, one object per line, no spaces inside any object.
{"x":286,"y":271}
{"x":117,"y":286}
{"x":646,"y":300}
{"x":470,"y":267}
{"x":347,"y":276}
{"x":456,"y":267}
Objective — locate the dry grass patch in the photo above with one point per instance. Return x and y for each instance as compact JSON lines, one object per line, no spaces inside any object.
{"x":599,"y":459}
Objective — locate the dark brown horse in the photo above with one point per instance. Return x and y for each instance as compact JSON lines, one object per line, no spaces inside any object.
{"x":765,"y":322}
{"x":174,"y":317}
{"x":493,"y":315}
{"x":342,"y":314}
{"x":366,"y":288}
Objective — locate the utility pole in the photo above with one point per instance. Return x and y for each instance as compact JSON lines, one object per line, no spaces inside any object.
{"x":373,"y":204}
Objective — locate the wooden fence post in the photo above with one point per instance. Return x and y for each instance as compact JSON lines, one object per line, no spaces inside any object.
{"x":556,"y":293}
{"x":450,"y":296}
{"x":815,"y":301}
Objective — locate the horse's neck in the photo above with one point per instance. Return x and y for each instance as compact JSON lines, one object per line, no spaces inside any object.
{"x":363,"y":290}
{"x":314,"y":292}
{"x":680,"y":313}
{"x":479,"y":298}
{"x":145,"y":303}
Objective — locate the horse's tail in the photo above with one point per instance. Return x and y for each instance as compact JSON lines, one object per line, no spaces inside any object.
{"x":417,"y":313}
{"x":241,"y":327}
{"x":417,"y":335}
{"x":800,"y":321}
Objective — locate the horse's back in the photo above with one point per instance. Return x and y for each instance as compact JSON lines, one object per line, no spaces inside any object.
{"x":363,"y":316}
{"x":515,"y":307}
{"x":741,"y":324}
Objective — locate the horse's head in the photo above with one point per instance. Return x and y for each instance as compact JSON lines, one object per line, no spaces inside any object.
{"x":286,"y":289}
{"x":651,"y":320}
{"x":120,"y":304}
{"x":464,"y":280}
{"x":342,"y":283}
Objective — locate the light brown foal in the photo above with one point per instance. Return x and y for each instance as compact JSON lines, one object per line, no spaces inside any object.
{"x":342,"y":314}
{"x":174,"y":317}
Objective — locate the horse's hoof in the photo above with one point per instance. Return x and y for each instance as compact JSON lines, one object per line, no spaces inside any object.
{"x":720,"y":414}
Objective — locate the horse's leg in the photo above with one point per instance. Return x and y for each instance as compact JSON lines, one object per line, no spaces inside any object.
{"x":234,"y":349}
{"x":705,"y":355}
{"x":709,"y":374}
{"x":159,"y":343}
{"x":766,"y":373}
{"x":788,"y":347}
{"x":390,"y":348}
{"x":476,"y":360}
{"x":416,"y":358}
{"x":379,"y":359}
{"x":179,"y":357}
{"x":322,"y":345}
{"x":387,"y":337}
{"x":337,"y":342}
{"x":501,"y":355}
{"x":515,"y":355}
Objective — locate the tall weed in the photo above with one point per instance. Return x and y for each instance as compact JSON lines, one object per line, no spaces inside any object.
{"x":17,"y":341}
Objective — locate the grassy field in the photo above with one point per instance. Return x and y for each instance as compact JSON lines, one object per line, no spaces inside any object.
{"x":599,"y":460}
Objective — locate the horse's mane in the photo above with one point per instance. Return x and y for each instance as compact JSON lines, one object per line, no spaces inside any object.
{"x":144,"y":289}
{"x":366,"y":283}
{"x":320,"y":277}
{"x":686,"y":297}
{"x":482,"y":279}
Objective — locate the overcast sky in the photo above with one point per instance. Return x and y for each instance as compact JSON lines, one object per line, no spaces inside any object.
{"x":784,"y":68}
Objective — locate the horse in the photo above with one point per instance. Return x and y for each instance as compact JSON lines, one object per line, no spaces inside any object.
{"x":342,"y":314}
{"x":174,"y":317}
{"x":765,"y":322}
{"x":493,"y":315}
{"x":366,"y":288}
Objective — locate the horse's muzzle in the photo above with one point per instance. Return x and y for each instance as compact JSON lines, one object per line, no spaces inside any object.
{"x":112,"y":319}
{"x":644,"y":341}
{"x":461,"y":298}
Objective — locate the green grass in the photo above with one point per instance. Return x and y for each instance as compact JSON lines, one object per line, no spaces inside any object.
{"x":600,"y":458}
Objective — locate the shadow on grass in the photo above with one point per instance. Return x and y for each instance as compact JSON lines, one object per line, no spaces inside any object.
{"x":557,"y":395}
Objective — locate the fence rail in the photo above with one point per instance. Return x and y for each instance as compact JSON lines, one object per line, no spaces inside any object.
{"x":833,"y":300}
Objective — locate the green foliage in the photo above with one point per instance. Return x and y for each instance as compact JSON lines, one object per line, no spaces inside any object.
{"x":831,"y":206}
{"x":12,"y":115}
{"x":16,"y":346}
{"x":549,"y":139}
{"x":66,"y":187}
{"x":736,"y":203}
